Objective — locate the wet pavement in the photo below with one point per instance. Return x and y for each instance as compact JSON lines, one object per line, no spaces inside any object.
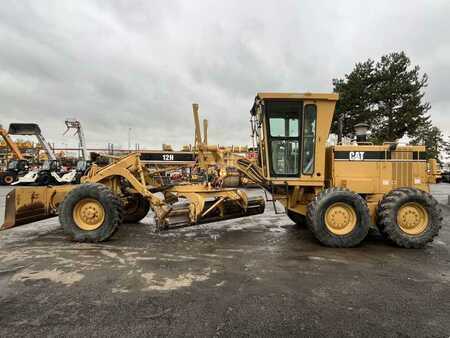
{"x":259,"y":276}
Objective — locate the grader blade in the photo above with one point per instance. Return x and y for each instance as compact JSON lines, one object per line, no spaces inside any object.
{"x":203,"y":206}
{"x":229,"y":209}
{"x":30,"y":204}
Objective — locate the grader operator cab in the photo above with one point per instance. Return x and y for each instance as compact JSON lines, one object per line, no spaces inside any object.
{"x":338,"y":191}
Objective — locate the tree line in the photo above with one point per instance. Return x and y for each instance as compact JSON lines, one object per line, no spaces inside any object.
{"x":389,"y":95}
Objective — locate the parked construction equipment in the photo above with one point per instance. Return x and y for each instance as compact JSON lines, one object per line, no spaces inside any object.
{"x":42,"y":176}
{"x":84,"y":163}
{"x":337,"y":191}
{"x":74,"y":124}
{"x":32,"y":129}
{"x":51,"y":171}
{"x":16,"y":167}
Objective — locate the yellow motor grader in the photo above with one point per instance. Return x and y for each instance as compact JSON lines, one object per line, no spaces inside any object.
{"x":337,"y":191}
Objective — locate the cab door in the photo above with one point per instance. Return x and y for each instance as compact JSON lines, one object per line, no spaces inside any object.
{"x":284,"y":135}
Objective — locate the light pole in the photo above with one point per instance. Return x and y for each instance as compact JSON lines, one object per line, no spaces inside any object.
{"x":129,"y":139}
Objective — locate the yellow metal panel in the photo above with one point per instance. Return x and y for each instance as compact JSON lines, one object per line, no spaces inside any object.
{"x":361,"y":177}
{"x":30,"y":204}
{"x":299,"y":96}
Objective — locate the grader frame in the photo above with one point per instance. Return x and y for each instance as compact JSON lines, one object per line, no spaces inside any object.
{"x":128,"y":179}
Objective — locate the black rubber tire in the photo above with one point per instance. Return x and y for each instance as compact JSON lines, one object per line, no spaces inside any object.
{"x":7,"y":179}
{"x":111,"y":204}
{"x":298,"y":219}
{"x":316,"y":215}
{"x":44,"y":179}
{"x":387,"y":217}
{"x":137,"y":213}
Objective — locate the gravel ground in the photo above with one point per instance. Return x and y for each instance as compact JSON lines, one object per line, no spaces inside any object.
{"x":259,"y":276}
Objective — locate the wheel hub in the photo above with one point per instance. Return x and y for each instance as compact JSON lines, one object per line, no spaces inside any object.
{"x":89,"y":214}
{"x":412,"y":218}
{"x":340,"y":218}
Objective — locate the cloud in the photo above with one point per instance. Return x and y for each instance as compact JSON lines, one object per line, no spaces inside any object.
{"x":140,"y":65}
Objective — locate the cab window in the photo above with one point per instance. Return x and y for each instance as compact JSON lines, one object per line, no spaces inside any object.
{"x":284,"y":137}
{"x":285,"y":157}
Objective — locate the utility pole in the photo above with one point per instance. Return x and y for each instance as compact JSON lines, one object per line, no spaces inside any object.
{"x":129,"y":139}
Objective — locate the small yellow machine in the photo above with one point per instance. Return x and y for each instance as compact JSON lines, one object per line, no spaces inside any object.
{"x":338,"y":191}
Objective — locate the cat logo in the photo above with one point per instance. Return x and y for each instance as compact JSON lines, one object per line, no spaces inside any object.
{"x":356,"y":156}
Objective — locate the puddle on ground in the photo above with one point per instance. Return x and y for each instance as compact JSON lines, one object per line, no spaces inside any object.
{"x":168,"y":284}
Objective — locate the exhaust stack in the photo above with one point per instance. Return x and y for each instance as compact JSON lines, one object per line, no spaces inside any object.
{"x":361,"y":131}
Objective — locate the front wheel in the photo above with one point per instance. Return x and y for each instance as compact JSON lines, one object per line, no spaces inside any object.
{"x":338,"y":218}
{"x":409,"y":217}
{"x":90,"y":213}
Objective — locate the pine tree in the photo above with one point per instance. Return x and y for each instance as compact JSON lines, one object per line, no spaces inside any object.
{"x":355,"y":96}
{"x":432,"y":139}
{"x":388,"y":95}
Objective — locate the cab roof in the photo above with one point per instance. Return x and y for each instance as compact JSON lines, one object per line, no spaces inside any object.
{"x":298,"y":96}
{"x":291,"y":96}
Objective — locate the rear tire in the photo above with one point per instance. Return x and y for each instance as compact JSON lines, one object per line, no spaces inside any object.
{"x":298,"y":219}
{"x":90,"y":213}
{"x":338,"y":218}
{"x":136,"y":210}
{"x":409,"y":217}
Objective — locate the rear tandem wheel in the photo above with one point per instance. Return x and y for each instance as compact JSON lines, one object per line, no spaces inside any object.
{"x":338,"y":218}
{"x":409,"y":217}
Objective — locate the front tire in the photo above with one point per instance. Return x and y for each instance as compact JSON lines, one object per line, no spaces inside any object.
{"x":409,"y":217}
{"x":90,"y":213}
{"x":338,"y":218}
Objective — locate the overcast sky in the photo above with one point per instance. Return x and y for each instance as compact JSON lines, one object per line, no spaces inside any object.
{"x":116,"y":65}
